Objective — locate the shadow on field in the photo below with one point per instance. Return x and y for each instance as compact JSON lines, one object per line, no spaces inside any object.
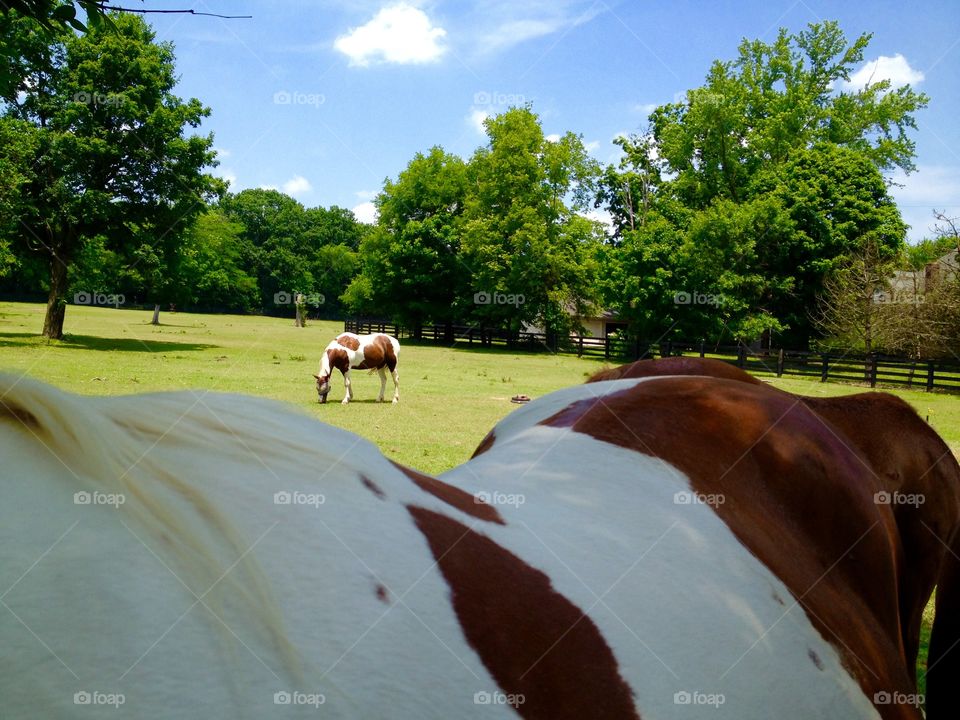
{"x":90,"y":342}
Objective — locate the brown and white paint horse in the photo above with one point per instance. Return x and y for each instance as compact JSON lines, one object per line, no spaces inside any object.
{"x":633,"y":548}
{"x":376,"y":351}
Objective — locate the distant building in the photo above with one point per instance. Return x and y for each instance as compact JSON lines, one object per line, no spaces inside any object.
{"x":912,"y":285}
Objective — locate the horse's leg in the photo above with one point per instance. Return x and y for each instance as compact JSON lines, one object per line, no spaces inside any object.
{"x":348,"y":395}
{"x":396,"y":384}
{"x":383,"y":382}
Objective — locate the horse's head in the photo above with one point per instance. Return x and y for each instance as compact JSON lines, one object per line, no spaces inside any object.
{"x":323,"y":386}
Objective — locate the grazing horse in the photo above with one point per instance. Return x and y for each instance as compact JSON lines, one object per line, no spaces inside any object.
{"x":376,"y":351}
{"x":632,"y":548}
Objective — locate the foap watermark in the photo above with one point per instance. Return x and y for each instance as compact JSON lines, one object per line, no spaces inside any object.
{"x":292,"y":97}
{"x":290,"y":298}
{"x":684,"y":697}
{"x":98,"y":298}
{"x":899,"y":297}
{"x":99,"y":98}
{"x":514,"y":700}
{"x":698,"y":96}
{"x":686,"y":497}
{"x":698,"y":298}
{"x":296,"y":497}
{"x":299,"y":698}
{"x":498,"y":498}
{"x":494,"y":97}
{"x":898,"y":498}
{"x":95,"y":697}
{"x":99,"y":498}
{"x":498,"y":298}
{"x":898,"y":698}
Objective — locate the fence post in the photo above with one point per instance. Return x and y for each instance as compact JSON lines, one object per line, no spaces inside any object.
{"x":930,"y":376}
{"x":825,"y":373}
{"x":703,"y":348}
{"x":780,"y":363}
{"x":873,"y":370}
{"x":741,"y":355}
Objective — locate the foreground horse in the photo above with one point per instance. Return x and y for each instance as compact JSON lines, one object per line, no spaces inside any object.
{"x":376,"y":351}
{"x":646,"y":545}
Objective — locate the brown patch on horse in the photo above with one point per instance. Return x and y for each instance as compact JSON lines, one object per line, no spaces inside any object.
{"x":908,"y":460}
{"x":338,"y":360}
{"x":348,"y":341}
{"x":904,"y":455}
{"x":453,"y":496}
{"x":377,"y":354}
{"x":485,"y":444}
{"x":800,"y":499}
{"x":383,"y":595}
{"x":675,"y":366}
{"x":532,"y":639}
{"x":373,"y":487}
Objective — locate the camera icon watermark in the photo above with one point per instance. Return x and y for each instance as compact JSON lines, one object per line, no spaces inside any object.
{"x":686,"y":497}
{"x":98,"y":98}
{"x":284,"y":697}
{"x":290,"y":97}
{"x":684,"y":697}
{"x":95,"y":697}
{"x":114,"y":500}
{"x":898,"y":698}
{"x":489,"y":98}
{"x":498,"y":298}
{"x":84,"y":297}
{"x":698,"y":298}
{"x":514,"y":700}
{"x":884,"y":497}
{"x":285,"y":497}
{"x":499,"y":498}
{"x":292,"y":298}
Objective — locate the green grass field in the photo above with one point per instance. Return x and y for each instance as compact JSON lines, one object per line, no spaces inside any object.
{"x":450,"y":397}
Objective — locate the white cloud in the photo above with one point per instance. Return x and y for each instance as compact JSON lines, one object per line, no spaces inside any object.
{"x":366,"y":194}
{"x":591,"y":145}
{"x":506,"y":23}
{"x":231,"y":178}
{"x":400,"y":34}
{"x":222,"y":153}
{"x":476,"y":118}
{"x":896,"y":69}
{"x":297,"y":185}
{"x":646,"y":108}
{"x":366,"y":212}
{"x":600,"y":215}
{"x":552,"y":137}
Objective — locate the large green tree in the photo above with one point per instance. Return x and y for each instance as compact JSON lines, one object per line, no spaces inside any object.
{"x":522,"y":236}
{"x":412,"y":268}
{"x":114,"y":156}
{"x":778,"y":167}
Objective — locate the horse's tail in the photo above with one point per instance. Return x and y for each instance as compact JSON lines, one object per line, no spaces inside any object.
{"x":943,"y":661}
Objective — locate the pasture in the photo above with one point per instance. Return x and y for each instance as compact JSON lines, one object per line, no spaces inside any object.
{"x":450,"y":397}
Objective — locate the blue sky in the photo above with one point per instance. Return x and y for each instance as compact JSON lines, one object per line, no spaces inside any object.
{"x":325,"y":99}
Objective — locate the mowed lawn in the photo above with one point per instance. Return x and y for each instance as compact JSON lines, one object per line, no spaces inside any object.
{"x":450,"y":397}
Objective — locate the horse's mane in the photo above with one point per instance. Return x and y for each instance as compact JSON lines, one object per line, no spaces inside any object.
{"x":156,"y":450}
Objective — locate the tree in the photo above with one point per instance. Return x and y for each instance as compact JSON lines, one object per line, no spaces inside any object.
{"x":773,"y":100}
{"x":522,"y":240}
{"x":768,"y":145}
{"x":851,"y":311}
{"x":412,"y":268}
{"x":111,"y":156}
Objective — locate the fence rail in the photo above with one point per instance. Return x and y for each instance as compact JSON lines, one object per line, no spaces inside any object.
{"x":871,"y":370}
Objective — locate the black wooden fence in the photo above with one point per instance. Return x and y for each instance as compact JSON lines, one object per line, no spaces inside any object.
{"x":871,"y":370}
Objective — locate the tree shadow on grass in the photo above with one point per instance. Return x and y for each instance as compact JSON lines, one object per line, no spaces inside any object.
{"x":90,"y":342}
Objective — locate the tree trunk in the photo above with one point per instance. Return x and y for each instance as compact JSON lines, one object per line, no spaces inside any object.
{"x":57,"y":300}
{"x":156,"y":314}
